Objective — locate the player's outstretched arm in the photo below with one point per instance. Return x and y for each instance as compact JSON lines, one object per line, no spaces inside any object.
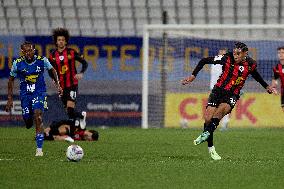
{"x":53,"y":75}
{"x":188,"y":80}
{"x":271,"y":90}
{"x":9,"y":104}
{"x":199,"y":66}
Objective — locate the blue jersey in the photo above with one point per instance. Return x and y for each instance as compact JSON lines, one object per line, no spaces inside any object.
{"x":31,"y":75}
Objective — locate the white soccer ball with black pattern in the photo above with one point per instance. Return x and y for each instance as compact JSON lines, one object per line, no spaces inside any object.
{"x":74,"y":153}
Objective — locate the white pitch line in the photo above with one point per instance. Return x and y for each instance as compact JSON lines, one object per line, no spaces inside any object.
{"x":7,"y":159}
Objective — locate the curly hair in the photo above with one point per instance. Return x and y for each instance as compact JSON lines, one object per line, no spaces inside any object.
{"x":242,"y":46}
{"x":60,"y":32}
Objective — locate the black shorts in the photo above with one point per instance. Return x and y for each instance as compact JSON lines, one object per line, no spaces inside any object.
{"x":218,"y":96}
{"x":69,"y":94}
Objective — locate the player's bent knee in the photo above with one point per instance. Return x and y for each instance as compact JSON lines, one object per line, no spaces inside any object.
{"x":207,"y":118}
{"x":38,"y":118}
{"x":70,"y":104}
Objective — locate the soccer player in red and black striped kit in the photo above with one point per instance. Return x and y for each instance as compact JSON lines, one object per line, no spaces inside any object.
{"x":278,"y":74}
{"x":236,"y":67}
{"x":63,"y":60}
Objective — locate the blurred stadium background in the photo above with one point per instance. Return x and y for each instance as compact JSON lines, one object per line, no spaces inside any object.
{"x":109,"y":35}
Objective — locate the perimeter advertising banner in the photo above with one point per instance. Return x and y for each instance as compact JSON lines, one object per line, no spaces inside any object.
{"x":102,"y":110}
{"x":252,"y":110}
{"x":109,"y":58}
{"x":120,"y":58}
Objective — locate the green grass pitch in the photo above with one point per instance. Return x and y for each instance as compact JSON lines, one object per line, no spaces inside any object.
{"x":153,"y":158}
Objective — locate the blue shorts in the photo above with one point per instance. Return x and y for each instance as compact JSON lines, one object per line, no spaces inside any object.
{"x":30,"y":103}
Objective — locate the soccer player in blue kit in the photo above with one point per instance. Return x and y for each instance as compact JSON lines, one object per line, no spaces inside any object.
{"x":29,"y":68}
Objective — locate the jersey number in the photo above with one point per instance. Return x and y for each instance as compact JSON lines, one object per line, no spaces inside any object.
{"x":31,"y":88}
{"x":233,"y":101}
{"x":73,"y":95}
{"x":26,"y":110}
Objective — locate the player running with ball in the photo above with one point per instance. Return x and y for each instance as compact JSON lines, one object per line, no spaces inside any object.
{"x":236,"y":67}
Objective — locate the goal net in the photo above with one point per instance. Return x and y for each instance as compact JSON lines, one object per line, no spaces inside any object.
{"x":171,"y":52}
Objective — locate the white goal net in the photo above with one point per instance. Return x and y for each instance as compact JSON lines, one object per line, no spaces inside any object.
{"x":171,"y":52}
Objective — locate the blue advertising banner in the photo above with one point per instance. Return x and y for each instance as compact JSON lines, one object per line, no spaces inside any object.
{"x":120,"y":58}
{"x":102,"y":110}
{"x":108,"y":58}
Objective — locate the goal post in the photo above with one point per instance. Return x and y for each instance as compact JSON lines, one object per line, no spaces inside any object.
{"x":186,"y":45}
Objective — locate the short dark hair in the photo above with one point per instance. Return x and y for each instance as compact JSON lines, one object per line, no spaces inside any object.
{"x":26,"y":43}
{"x":60,"y":32}
{"x":95,"y":134}
{"x":279,"y":48}
{"x":242,"y":46}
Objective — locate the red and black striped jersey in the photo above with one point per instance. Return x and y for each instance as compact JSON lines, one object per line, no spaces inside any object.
{"x":75,"y":132}
{"x":64,"y":64}
{"x":278,"y":73}
{"x":234,"y":75}
{"x":79,"y":134}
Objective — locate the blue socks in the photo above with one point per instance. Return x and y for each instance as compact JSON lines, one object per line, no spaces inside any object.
{"x":39,"y":140}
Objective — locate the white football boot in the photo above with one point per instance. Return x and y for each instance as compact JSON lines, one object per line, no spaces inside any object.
{"x":83,"y":120}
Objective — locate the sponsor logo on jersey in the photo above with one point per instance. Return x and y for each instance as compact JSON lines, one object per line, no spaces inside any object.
{"x":238,"y":81}
{"x":64,"y":69}
{"x":31,"y":78}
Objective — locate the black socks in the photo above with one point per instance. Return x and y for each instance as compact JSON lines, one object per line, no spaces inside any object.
{"x":72,"y":114}
{"x":213,"y":124}
{"x":211,"y":127}
{"x":29,"y":123}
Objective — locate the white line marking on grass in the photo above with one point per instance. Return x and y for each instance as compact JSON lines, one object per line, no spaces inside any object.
{"x":6,"y":159}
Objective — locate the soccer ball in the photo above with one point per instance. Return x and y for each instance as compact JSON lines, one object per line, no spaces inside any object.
{"x":74,"y":153}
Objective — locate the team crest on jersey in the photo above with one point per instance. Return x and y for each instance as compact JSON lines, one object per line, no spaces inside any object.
{"x":241,"y":68}
{"x":38,"y":69}
{"x":61,"y":58}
